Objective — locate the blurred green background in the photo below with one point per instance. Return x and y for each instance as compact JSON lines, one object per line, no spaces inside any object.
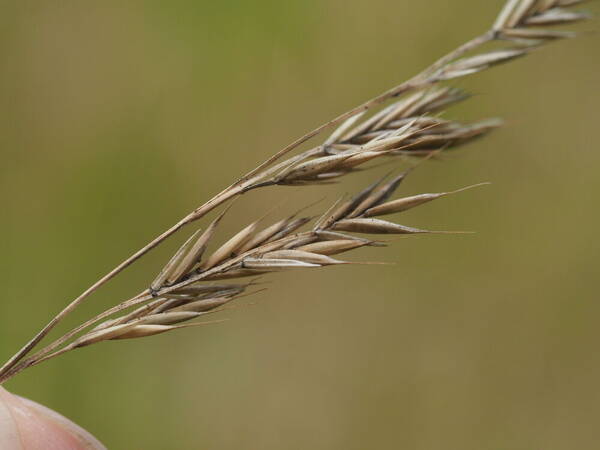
{"x":117,"y":118}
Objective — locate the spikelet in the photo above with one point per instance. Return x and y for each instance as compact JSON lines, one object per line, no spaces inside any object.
{"x":406,"y":203}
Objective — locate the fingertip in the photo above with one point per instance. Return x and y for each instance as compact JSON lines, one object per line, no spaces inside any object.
{"x":26,"y":425}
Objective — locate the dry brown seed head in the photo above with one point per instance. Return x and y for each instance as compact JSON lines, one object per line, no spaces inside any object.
{"x":274,"y":264}
{"x":206,"y":289}
{"x":100,"y":335}
{"x":290,"y":228}
{"x":375,"y":226}
{"x":348,"y":206}
{"x":196,"y":251}
{"x":533,"y":34}
{"x":452,"y":137}
{"x":439,"y":99}
{"x":139,"y":331}
{"x":314,"y":181}
{"x":521,"y":12}
{"x":326,"y":217}
{"x":347,"y":124}
{"x":138,"y":312}
{"x":426,"y":124}
{"x":367,"y":124}
{"x":382,"y":143}
{"x":506,"y":14}
{"x":331,"y":175}
{"x":360,"y":158}
{"x":150,"y":330}
{"x":303,"y":240}
{"x":556,"y":17}
{"x":406,"y":203}
{"x":479,"y":62}
{"x":303,"y":256}
{"x":277,"y":230}
{"x":231,"y":247}
{"x":337,"y":149}
{"x":388,"y":189}
{"x":379,"y":195}
{"x":334,"y":235}
{"x":276,"y":244}
{"x":187,"y":256}
{"x":401,"y":204}
{"x":234,"y":273}
{"x":307,"y":170}
{"x":264,"y":235}
{"x":183,"y":297}
{"x":408,"y":110}
{"x":167,"y":305}
{"x":166,"y":318}
{"x":431,"y":96}
{"x":168,"y":270}
{"x":204,"y":305}
{"x":401,"y":109}
{"x":332,"y":247}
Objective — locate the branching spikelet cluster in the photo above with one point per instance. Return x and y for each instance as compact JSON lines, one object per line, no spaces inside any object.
{"x":194,"y":283}
{"x":252,"y":252}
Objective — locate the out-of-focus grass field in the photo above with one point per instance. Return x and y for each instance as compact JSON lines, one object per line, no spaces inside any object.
{"x":118,"y":117}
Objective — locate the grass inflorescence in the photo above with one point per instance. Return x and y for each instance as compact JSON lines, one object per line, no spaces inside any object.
{"x":404,"y":123}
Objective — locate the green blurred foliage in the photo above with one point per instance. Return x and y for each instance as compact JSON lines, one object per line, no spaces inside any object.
{"x":118,"y":117}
